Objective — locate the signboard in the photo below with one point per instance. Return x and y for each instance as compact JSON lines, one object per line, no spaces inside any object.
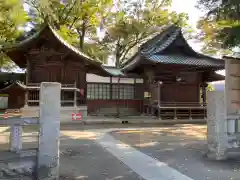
{"x":147,"y":94}
{"x":5,"y":115}
{"x":76,"y":116}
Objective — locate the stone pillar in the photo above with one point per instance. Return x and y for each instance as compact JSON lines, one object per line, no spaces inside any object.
{"x":217,"y":126}
{"x":16,"y":138}
{"x":48,"y":155}
{"x":232,"y":92}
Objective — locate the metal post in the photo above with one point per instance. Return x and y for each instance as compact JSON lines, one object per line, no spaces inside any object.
{"x":48,"y":153}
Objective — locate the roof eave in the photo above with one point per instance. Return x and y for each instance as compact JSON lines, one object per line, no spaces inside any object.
{"x":133,"y":63}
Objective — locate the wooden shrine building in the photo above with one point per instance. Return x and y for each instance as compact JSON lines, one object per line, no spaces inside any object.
{"x":174,"y":75}
{"x":48,"y":58}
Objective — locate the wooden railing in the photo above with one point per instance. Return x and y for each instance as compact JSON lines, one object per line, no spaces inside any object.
{"x":183,"y":104}
{"x":68,"y":95}
{"x":177,"y":110}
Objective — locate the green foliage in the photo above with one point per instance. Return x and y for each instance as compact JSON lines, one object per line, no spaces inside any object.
{"x":220,"y":27}
{"x":75,"y":20}
{"x":12,"y":18}
{"x":210,"y":87}
{"x":133,"y":24}
{"x":125,"y":24}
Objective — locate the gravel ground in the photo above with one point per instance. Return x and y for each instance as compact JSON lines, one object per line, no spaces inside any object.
{"x":82,"y":158}
{"x":183,"y":148}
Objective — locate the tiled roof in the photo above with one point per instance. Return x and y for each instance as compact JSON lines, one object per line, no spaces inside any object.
{"x":113,"y":71}
{"x":154,"y":50}
{"x":66,"y":44}
{"x":162,"y":43}
{"x":179,"y":59}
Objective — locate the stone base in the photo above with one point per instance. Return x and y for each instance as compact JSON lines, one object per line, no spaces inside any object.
{"x":213,"y":156}
{"x":65,"y":113}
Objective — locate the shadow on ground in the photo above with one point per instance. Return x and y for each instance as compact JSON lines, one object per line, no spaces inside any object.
{"x":82,"y":158}
{"x":183,"y":148}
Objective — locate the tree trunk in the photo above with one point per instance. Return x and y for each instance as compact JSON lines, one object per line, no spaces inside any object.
{"x":118,"y":56}
{"x":81,"y":38}
{"x":117,"y":62}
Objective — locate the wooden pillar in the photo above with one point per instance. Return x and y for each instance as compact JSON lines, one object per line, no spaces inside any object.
{"x":148,"y":84}
{"x":75,"y":94}
{"x":204,"y":93}
{"x":118,"y":99}
{"x":27,"y":80}
{"x":159,"y":99}
{"x":111,"y":89}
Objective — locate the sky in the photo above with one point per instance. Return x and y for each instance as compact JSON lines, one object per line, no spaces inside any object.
{"x":188,"y":6}
{"x":194,"y":14}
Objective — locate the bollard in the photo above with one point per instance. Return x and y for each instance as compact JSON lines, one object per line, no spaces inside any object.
{"x":48,"y":155}
{"x":16,"y":138}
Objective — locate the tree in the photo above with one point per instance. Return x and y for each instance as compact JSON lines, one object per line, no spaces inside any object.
{"x":134,"y":23}
{"x":12,"y":19}
{"x":220,"y":27}
{"x":77,"y":21}
{"x":210,"y":87}
{"x":126,"y":24}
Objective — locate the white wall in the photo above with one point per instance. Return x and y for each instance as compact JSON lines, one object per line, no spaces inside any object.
{"x":99,"y":79}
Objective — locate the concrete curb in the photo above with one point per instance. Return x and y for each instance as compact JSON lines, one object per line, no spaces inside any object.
{"x":130,"y":121}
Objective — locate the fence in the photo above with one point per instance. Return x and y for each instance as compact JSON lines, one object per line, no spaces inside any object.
{"x":177,"y":110}
{"x":19,"y":159}
{"x":42,"y":162}
{"x":69,"y":95}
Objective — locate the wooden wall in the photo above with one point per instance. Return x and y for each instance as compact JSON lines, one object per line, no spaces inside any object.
{"x":16,"y":97}
{"x":184,"y":91}
{"x":49,"y":61}
{"x":180,"y":92}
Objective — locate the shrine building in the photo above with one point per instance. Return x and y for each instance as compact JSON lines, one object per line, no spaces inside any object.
{"x":165,"y":78}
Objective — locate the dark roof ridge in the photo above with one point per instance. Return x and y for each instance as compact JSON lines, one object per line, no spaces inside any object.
{"x":160,"y":36}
